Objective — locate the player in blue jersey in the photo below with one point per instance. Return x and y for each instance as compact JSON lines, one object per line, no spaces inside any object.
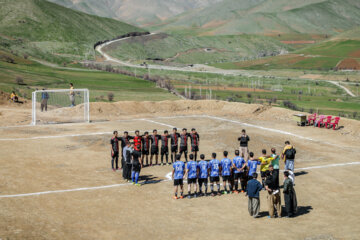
{"x":203,"y":174}
{"x":238,"y":165}
{"x":192,"y":173}
{"x":178,"y":175}
{"x":252,"y":165}
{"x":226,"y":171}
{"x":215,"y":168}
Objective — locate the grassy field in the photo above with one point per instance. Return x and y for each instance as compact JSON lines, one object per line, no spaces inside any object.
{"x":54,"y":33}
{"x":190,"y":50}
{"x":322,"y":56}
{"x":304,"y":94}
{"x":100,"y":84}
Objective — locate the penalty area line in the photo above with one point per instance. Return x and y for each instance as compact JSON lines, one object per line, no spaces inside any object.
{"x":167,"y":176}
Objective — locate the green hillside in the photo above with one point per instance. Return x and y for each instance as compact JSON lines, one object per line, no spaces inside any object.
{"x":326,"y":56}
{"x":138,"y":12}
{"x":49,"y":31}
{"x":270,"y":16}
{"x":100,"y":83}
{"x":191,"y":50}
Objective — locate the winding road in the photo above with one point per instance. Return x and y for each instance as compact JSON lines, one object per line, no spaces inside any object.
{"x":197,"y":68}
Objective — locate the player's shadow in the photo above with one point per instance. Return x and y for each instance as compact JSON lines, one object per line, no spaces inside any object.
{"x":300,"y":173}
{"x":149,"y":179}
{"x":302,"y":210}
{"x":262,"y":214}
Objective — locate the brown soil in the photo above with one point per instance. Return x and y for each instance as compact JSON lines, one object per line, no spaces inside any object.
{"x":213,"y":24}
{"x":298,"y":42}
{"x":348,"y":64}
{"x":326,"y":196}
{"x":355,"y":54}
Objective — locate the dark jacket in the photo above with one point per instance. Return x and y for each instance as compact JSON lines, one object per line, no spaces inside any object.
{"x":288,"y":186}
{"x":253,"y":188}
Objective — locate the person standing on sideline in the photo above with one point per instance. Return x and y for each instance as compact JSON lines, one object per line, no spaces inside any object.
{"x":136,"y":165}
{"x":252,"y":164}
{"x":244,"y":141}
{"x":275,"y":164}
{"x":215,"y":168}
{"x":72,"y":95}
{"x":115,"y":151}
{"x":184,"y":143}
{"x":175,"y":136}
{"x":265,"y":163}
{"x":252,"y":191}
{"x":127,"y":153}
{"x":154,"y":147}
{"x":192,"y":172}
{"x":203,"y":167}
{"x":125,"y":140}
{"x":44,"y":100}
{"x":165,"y":147}
{"x":178,"y":175}
{"x":145,"y":148}
{"x":226,"y":171}
{"x":288,"y":155}
{"x":238,"y":165}
{"x":195,"y":141}
{"x":288,"y":195}
{"x":273,"y":197}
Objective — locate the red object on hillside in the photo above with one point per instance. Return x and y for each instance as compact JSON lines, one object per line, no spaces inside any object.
{"x":335,"y":123}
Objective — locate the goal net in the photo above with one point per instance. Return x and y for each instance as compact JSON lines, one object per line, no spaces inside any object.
{"x":60,"y":106}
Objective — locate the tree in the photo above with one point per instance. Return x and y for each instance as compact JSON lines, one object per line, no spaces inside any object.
{"x":19,"y":80}
{"x":110,"y":96}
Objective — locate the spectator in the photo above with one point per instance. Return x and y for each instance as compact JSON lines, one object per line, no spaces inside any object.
{"x":244,"y":140}
{"x":72,"y":95}
{"x":273,"y":197}
{"x":252,"y":191}
{"x":275,"y":164}
{"x":288,"y":155}
{"x":44,"y":100}
{"x":14,"y":97}
{"x":288,"y":195}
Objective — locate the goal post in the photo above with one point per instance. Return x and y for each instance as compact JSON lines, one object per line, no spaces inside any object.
{"x":60,"y":106}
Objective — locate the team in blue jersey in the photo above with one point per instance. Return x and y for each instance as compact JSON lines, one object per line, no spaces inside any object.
{"x":198,"y":172}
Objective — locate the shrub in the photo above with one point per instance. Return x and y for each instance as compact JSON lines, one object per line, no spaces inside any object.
{"x":26,"y":56}
{"x":19,"y":80}
{"x":110,"y":96}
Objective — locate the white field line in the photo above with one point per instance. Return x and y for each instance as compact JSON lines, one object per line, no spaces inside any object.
{"x":159,"y":123}
{"x":168,"y":178}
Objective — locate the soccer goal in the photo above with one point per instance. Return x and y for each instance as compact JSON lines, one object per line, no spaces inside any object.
{"x":60,"y":106}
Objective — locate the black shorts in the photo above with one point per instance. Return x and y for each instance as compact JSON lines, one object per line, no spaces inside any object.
{"x":191,"y":180}
{"x":164,"y":150}
{"x":214,"y":179}
{"x":178,"y":182}
{"x":174,"y":149}
{"x":203,"y":181}
{"x":263,"y":174}
{"x":183,"y":149}
{"x":236,"y":176}
{"x":145,"y":152}
{"x":116,"y":154}
{"x":154,"y":150}
{"x":136,"y":167}
{"x":226,"y":178}
{"x":194,"y":148}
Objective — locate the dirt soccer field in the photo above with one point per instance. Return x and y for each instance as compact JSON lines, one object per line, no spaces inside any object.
{"x":56,"y":181}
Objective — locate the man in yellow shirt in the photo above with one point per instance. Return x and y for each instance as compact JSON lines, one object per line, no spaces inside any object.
{"x":265,"y":163}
